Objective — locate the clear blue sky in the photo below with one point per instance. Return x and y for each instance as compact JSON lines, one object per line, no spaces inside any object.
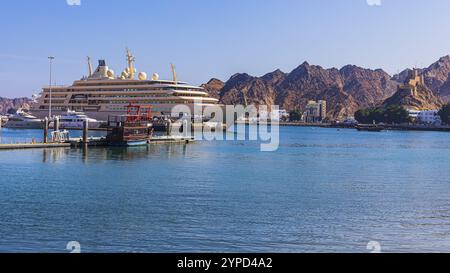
{"x":215,"y":38}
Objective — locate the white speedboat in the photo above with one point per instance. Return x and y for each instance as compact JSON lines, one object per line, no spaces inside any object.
{"x":23,"y":120}
{"x":75,"y":120}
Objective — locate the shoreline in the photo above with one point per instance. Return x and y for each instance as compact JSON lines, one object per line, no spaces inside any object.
{"x":392,"y":127}
{"x":396,"y":127}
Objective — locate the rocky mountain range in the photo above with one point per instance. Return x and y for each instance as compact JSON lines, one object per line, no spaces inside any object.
{"x":346,"y":90}
{"x":6,"y":104}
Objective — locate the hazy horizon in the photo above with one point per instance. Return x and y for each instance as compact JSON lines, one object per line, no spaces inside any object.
{"x":215,"y":39}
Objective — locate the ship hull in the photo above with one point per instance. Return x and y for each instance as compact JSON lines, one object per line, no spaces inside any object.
{"x":100,"y":116}
{"x":104,"y":115}
{"x":24,"y":125}
{"x":130,"y":143}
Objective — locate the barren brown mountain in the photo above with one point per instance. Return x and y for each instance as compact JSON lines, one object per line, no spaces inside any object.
{"x":345,"y":90}
{"x":213,"y":87}
{"x":6,"y":104}
{"x":245,"y":89}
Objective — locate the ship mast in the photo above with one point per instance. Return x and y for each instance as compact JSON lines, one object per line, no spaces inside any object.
{"x":89,"y":66}
{"x":174,"y":73}
{"x":131,"y":68}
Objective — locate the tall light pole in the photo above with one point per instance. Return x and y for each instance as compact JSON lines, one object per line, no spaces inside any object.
{"x":51,"y":58}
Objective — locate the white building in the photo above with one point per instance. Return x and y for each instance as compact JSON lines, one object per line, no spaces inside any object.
{"x":414,"y":113}
{"x":429,"y":117}
{"x":426,"y":116}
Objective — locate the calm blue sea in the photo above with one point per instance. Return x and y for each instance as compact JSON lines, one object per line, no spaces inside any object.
{"x":324,"y":190}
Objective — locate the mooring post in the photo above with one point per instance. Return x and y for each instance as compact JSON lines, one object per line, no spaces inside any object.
{"x":46,"y":121}
{"x":56,"y":124}
{"x":185,"y":128}
{"x":85,"y":131}
{"x":168,"y":127}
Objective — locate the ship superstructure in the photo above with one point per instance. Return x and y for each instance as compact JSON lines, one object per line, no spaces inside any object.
{"x":102,"y":93}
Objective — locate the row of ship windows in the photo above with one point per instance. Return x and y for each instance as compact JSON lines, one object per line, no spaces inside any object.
{"x":117,"y":102}
{"x":57,"y":96}
{"x":62,"y":108}
{"x":132,"y":83}
{"x":55,"y":101}
{"x":151,"y":102}
{"x":131,"y":89}
{"x":154,"y":109}
{"x":131,"y":96}
{"x":57,"y":108}
{"x":106,"y":96}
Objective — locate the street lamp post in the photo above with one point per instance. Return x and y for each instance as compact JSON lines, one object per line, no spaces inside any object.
{"x":51,"y":58}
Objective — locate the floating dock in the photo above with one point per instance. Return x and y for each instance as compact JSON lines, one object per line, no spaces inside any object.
{"x":92,"y":142}
{"x":172,"y":139}
{"x":101,"y":141}
{"x":22,"y":146}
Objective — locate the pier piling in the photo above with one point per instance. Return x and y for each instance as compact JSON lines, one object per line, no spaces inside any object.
{"x":56,"y":124}
{"x":168,"y":127}
{"x":186,"y":130}
{"x":85,"y":131}
{"x":46,"y":130}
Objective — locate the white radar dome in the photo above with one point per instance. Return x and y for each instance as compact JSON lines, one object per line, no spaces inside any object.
{"x":155,"y":76}
{"x":124,"y":75}
{"x":142,"y":76}
{"x":110,"y":73}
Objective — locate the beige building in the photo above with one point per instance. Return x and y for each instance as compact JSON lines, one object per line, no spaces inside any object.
{"x":316,"y":111}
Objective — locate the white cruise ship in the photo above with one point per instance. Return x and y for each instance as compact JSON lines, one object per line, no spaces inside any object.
{"x":102,"y":93}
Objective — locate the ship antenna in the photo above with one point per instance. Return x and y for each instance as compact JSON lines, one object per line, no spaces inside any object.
{"x":174,"y":73}
{"x":89,"y":66}
{"x":131,"y":60}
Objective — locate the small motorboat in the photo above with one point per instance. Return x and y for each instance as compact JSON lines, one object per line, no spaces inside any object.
{"x":370,"y":127}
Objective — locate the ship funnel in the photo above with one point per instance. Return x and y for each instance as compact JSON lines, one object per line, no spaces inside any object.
{"x":101,"y":72}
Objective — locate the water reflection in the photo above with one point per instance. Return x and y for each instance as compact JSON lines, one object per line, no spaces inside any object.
{"x":324,"y":191}
{"x":99,"y":154}
{"x":54,"y":155}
